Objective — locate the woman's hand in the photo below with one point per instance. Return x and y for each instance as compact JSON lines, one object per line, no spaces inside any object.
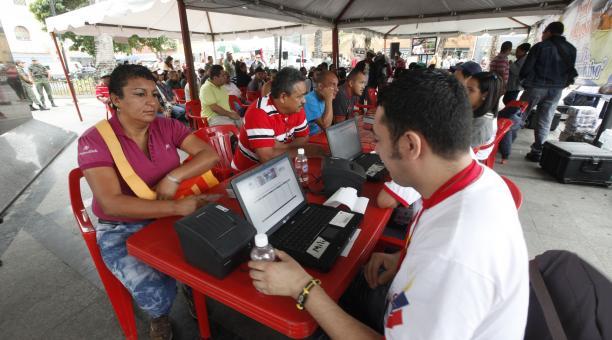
{"x":166,"y":189}
{"x":285,"y":277}
{"x":189,"y":204}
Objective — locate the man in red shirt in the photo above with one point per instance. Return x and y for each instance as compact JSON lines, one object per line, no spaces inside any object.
{"x":500,"y":63}
{"x":274,"y":124}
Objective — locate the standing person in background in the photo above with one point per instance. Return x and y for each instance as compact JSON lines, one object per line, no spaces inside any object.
{"x":548,"y":69}
{"x":209,"y":63}
{"x":500,"y":65}
{"x":167,"y":66}
{"x":229,"y":65}
{"x":26,"y":84}
{"x":513,"y":87}
{"x":41,"y":76}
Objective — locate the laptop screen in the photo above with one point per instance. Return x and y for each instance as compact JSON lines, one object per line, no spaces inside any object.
{"x":268,"y":194}
{"x":343,"y":139}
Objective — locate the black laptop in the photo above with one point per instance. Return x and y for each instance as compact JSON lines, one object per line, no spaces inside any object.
{"x":344,"y":142}
{"x":273,"y":202}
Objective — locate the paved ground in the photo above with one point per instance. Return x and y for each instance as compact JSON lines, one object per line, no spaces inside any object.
{"x":50,"y":289}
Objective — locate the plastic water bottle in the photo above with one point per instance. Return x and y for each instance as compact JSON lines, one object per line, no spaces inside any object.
{"x":301,"y":167}
{"x":262,"y":251}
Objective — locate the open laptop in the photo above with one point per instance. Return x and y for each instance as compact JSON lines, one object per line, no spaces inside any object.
{"x":273,"y":202}
{"x":343,"y":140}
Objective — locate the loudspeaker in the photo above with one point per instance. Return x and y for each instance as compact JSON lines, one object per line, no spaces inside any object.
{"x":285,"y":55}
{"x":395,"y":49}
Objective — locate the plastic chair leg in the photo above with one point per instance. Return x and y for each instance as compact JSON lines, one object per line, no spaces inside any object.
{"x":200,"y":305}
{"x":121,"y":300}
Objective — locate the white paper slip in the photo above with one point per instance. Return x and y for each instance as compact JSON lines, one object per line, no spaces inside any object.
{"x":318,"y":247}
{"x":349,"y":244}
{"x":348,"y":197}
{"x":341,"y":219}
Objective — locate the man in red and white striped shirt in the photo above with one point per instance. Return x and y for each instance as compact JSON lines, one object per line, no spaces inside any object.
{"x":500,"y":63}
{"x":275,"y":124}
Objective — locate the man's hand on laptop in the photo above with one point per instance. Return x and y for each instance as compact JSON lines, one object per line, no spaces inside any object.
{"x":285,"y":277}
{"x":387,"y":262}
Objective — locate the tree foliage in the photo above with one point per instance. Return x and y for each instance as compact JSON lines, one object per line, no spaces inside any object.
{"x":42,"y":10}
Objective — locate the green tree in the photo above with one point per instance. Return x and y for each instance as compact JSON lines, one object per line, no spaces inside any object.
{"x":157,"y":45}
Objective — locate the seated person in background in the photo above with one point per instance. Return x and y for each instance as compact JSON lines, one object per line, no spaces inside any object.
{"x":465,"y":70}
{"x":230,"y":87}
{"x":458,"y":278}
{"x":150,"y":145}
{"x":242,"y":76}
{"x":484,"y":90}
{"x":215,"y":100}
{"x":341,"y":76}
{"x":348,"y":95}
{"x":102,"y":93}
{"x":319,"y":103}
{"x":275,"y":124}
{"x":169,"y":106}
{"x":258,"y":80}
{"x":267,"y":87}
{"x":174,"y":81}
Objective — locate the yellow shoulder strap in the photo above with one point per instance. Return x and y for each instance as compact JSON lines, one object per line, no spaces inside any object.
{"x":138,"y":186}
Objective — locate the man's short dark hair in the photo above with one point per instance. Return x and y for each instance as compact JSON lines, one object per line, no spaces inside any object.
{"x":525,"y":47}
{"x":215,"y":71}
{"x":506,"y":46}
{"x":285,"y":80}
{"x":555,"y":28}
{"x":122,"y":73}
{"x":431,"y":103}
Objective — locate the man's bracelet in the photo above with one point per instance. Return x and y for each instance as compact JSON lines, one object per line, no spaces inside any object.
{"x":301,"y":299}
{"x":173,"y":179}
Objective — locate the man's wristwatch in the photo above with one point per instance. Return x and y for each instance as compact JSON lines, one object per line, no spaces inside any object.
{"x":301,"y":299}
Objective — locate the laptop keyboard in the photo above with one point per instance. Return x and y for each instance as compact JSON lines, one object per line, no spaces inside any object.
{"x":300,"y":234}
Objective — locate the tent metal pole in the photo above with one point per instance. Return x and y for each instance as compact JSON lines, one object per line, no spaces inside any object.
{"x":280,"y":51}
{"x":193,"y":90}
{"x":335,"y":47}
{"x":70,"y":87}
{"x":212,"y":35}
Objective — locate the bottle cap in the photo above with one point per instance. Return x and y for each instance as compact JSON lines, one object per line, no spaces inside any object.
{"x":261,"y":240}
{"x":300,"y":151}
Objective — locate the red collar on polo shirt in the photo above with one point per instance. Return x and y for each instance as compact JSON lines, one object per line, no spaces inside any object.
{"x":457,"y":183}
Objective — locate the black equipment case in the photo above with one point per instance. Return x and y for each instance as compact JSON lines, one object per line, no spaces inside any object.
{"x":571,"y":162}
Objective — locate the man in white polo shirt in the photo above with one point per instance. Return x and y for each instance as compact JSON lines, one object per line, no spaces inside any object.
{"x":463,"y":274}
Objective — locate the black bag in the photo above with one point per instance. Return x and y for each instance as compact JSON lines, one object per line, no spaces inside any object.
{"x":576,"y":98}
{"x":569,"y":299}
{"x":572,"y":162}
{"x":572,"y":73}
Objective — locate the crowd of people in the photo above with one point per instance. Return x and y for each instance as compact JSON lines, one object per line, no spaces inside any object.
{"x":457,"y":278}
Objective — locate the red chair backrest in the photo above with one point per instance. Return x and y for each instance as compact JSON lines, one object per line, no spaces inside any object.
{"x":193,"y":110}
{"x":180,"y":95}
{"x":118,"y":295}
{"x":503,"y":126}
{"x":515,"y":191}
{"x":372,"y":96}
{"x":243,"y":92}
{"x":233,"y":101}
{"x":522,"y":105}
{"x":219,"y":137}
{"x":253,"y":95}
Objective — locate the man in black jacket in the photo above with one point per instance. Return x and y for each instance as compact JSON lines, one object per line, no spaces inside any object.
{"x":548,"y":69}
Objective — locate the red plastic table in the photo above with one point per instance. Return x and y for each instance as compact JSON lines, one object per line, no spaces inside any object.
{"x":157,"y":245}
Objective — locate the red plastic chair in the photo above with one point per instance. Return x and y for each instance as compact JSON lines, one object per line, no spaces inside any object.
{"x":243,"y":92}
{"x":252,"y":96}
{"x":193,"y":111}
{"x":180,"y":95}
{"x":515,"y":191}
{"x":118,"y":295}
{"x":218,"y":137}
{"x":233,"y":101}
{"x":372,"y":100}
{"x":503,"y":126}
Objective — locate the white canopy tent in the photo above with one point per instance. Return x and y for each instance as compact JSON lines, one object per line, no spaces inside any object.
{"x":153,"y":18}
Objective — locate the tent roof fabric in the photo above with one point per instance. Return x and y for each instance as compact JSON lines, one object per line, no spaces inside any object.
{"x":153,"y":18}
{"x":245,"y":18}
